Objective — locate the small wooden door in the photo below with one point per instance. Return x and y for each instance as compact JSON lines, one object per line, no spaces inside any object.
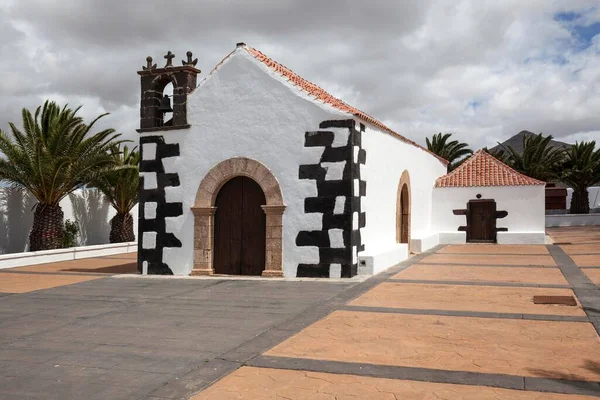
{"x":240,"y":228}
{"x":481,"y":221}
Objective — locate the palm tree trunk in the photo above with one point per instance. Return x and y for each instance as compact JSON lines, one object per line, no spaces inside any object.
{"x":48,"y":228}
{"x":580,"y":202}
{"x":121,"y":228}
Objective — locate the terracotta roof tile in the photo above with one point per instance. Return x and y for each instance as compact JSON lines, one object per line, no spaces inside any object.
{"x":322,"y":95}
{"x":483,"y":169}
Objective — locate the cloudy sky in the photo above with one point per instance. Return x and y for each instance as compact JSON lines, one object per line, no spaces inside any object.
{"x":483,"y":70}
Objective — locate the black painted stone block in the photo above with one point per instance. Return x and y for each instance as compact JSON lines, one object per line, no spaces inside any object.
{"x":313,"y":171}
{"x":352,"y":204}
{"x":151,"y":166}
{"x":352,"y":238}
{"x":319,"y":204}
{"x":334,"y":256}
{"x":362,"y":186}
{"x":362,"y":220}
{"x":337,"y":221}
{"x":318,"y":138}
{"x":169,"y":210}
{"x":164,"y":180}
{"x":170,"y":240}
{"x":349,"y":270}
{"x":362,"y":127}
{"x":152,"y":195}
{"x":313,"y":238}
{"x":338,"y":123}
{"x":336,"y":154}
{"x":362,"y":156}
{"x":334,"y":188}
{"x":313,"y":271}
{"x":356,"y":138}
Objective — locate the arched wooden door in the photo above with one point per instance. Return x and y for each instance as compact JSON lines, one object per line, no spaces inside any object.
{"x":240,"y":228}
{"x":404,"y":214}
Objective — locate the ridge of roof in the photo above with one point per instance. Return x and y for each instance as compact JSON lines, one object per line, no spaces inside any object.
{"x":483,"y":169}
{"x":322,"y":95}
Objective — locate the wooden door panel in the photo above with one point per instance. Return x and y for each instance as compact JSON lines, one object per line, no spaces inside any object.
{"x":240,"y":227}
{"x":253,"y":229}
{"x":481,"y":224}
{"x":228,"y":228}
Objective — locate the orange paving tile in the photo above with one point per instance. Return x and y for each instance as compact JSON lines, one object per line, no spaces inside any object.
{"x":543,"y":275}
{"x":465,"y":298}
{"x":487,"y":259}
{"x":562,"y":350}
{"x":22,"y":283}
{"x":115,"y":264}
{"x":575,"y":234}
{"x":590,"y":248}
{"x":493,"y":249}
{"x":248,"y":383}
{"x":593,"y":274}
{"x":590,"y":260}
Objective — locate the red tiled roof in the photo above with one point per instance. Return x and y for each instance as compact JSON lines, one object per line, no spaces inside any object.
{"x":483,"y":169}
{"x":322,"y":95}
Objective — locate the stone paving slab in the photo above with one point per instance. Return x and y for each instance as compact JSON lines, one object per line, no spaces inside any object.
{"x":138,"y":338}
{"x":520,"y":249}
{"x":590,"y":248}
{"x":593,"y":274}
{"x":276,"y":384}
{"x":587,"y":260}
{"x":503,"y":346}
{"x":489,"y":259}
{"x":21,"y":283}
{"x":465,"y":298}
{"x":537,"y":276}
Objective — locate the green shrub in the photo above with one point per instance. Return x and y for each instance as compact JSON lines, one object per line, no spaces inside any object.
{"x":70,"y":235}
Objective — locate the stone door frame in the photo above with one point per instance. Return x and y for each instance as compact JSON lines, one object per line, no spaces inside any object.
{"x":204,"y":211}
{"x":403,"y":210}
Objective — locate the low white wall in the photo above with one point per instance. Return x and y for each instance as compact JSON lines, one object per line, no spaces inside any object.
{"x":86,"y":206}
{"x":525,"y":206}
{"x":556,"y":220}
{"x":73,"y":253}
{"x":371,"y":264}
{"x":593,"y":193}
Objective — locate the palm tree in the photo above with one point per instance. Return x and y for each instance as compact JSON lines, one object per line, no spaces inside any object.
{"x":538,"y":160}
{"x":54,"y":155}
{"x":498,"y":154}
{"x":580,"y":171}
{"x":452,"y":151}
{"x":120,"y":186}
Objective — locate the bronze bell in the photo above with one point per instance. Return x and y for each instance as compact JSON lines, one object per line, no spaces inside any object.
{"x":165,"y":105}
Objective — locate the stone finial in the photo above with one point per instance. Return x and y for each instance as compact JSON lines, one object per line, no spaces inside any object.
{"x":189,"y":60}
{"x":149,"y":64}
{"x":169,"y":57}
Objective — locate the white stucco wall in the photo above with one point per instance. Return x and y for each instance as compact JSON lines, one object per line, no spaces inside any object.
{"x":525,"y":206}
{"x":86,"y":206}
{"x":387,"y":157}
{"x":241,"y":111}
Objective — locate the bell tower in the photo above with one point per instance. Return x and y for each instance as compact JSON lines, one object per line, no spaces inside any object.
{"x":154,"y":105}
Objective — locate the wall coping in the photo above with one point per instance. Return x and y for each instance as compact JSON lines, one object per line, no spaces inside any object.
{"x":72,"y":253}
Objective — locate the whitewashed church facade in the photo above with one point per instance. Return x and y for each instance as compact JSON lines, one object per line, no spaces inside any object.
{"x":260,"y":172}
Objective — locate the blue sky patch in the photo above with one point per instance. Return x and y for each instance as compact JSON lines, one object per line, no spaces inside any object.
{"x":584,"y":34}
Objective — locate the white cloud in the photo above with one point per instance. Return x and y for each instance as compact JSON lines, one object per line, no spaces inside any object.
{"x":479,"y":68}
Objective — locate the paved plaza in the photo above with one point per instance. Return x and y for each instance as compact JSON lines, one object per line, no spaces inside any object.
{"x":458,"y":322}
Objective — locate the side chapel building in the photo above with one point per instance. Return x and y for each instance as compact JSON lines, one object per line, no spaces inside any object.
{"x":261,"y":172}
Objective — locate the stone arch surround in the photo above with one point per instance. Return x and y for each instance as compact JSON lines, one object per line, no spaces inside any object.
{"x":204,"y":210}
{"x":404,"y":180}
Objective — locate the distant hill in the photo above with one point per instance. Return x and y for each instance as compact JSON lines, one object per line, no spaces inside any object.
{"x":517,"y":142}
